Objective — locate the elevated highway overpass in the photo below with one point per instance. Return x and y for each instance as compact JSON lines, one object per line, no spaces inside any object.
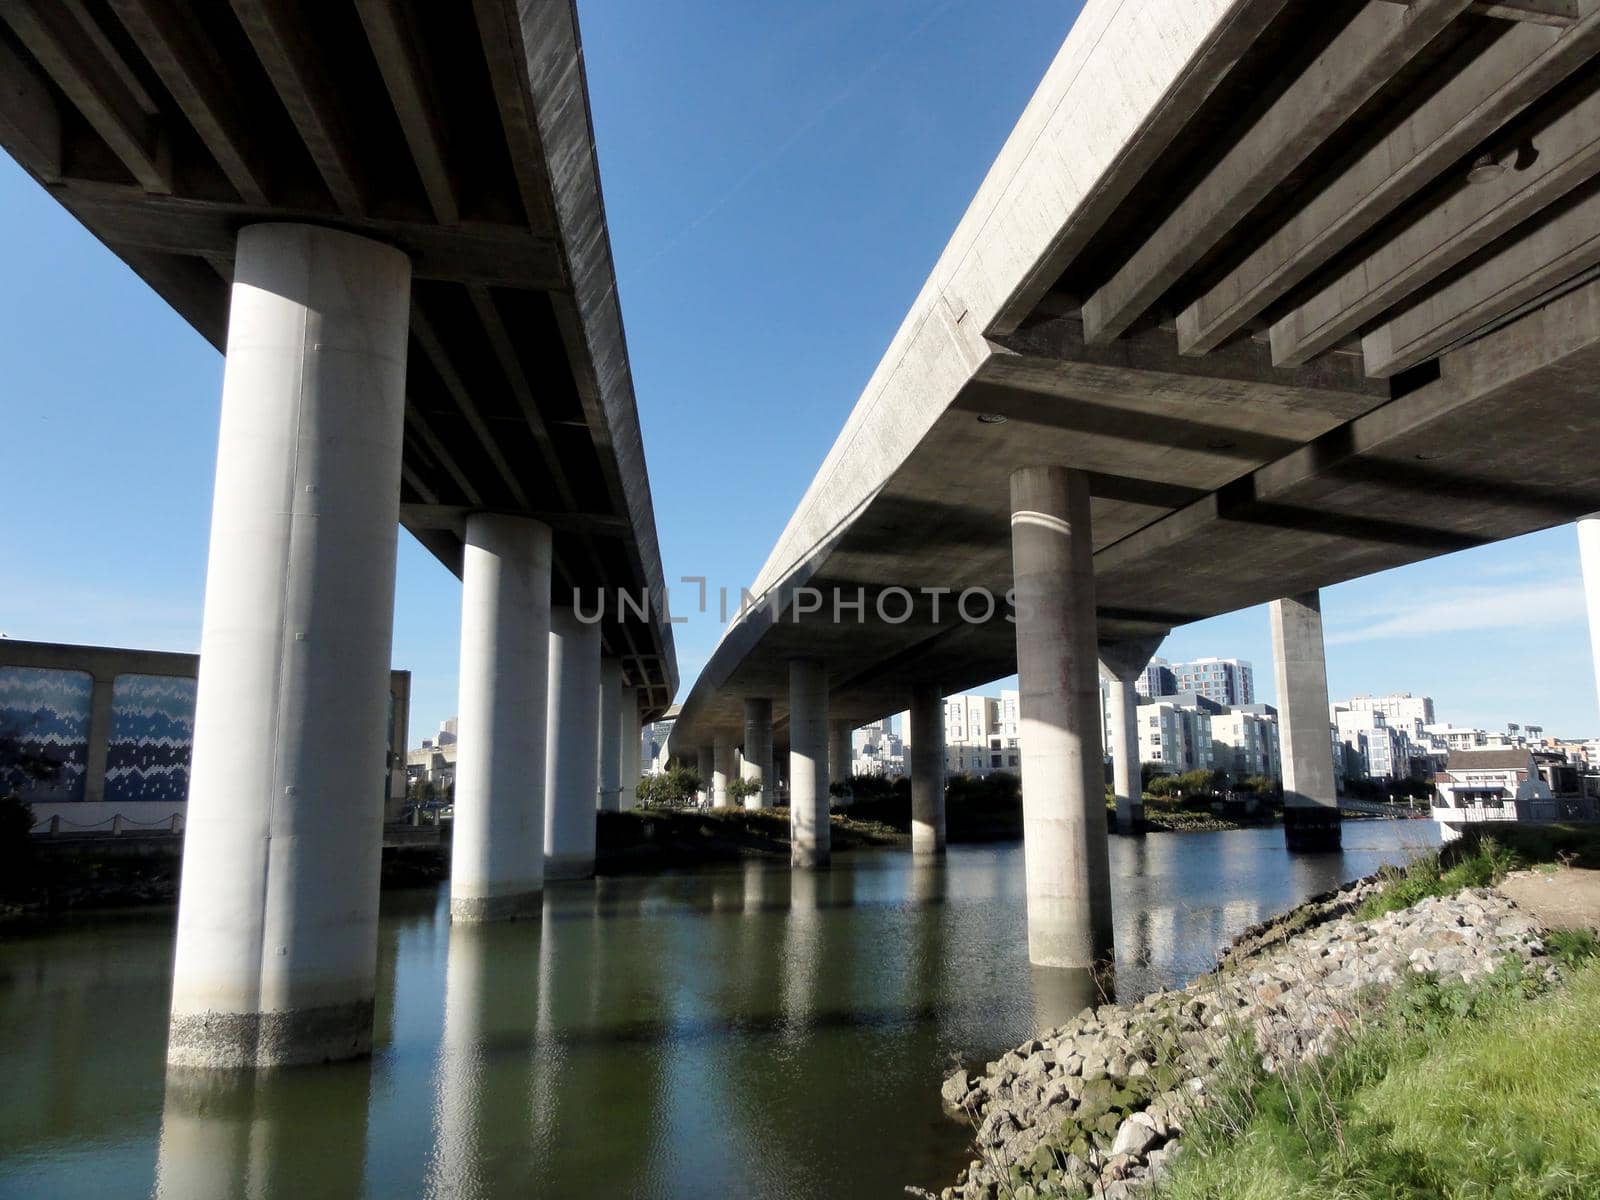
{"x":1258,"y":297}
{"x":388,"y":215}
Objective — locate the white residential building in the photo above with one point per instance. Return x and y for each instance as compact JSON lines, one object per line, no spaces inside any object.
{"x":1383,"y":750}
{"x":981,"y":734}
{"x":876,"y":750}
{"x":1175,"y":731}
{"x":1244,"y":742}
{"x":1449,"y":737}
{"x":1413,"y":714}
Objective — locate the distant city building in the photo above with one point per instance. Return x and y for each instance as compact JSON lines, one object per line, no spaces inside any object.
{"x":434,"y":762}
{"x":1383,"y":750}
{"x":876,"y":750}
{"x":1449,"y":737}
{"x":1175,"y":731}
{"x":980,"y":734}
{"x":1224,"y":680}
{"x":1413,"y":714}
{"x":653,"y":747}
{"x":1156,"y":680}
{"x":1245,"y":742}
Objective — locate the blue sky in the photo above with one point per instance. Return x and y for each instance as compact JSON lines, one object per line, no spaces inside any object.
{"x":779,"y":180}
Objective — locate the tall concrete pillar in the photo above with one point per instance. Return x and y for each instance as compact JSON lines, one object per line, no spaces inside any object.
{"x":276,"y":948}
{"x":632,"y":749}
{"x":572,"y":738}
{"x":610,"y":747}
{"x":840,"y":764}
{"x":99,"y":741}
{"x":705,"y":767}
{"x":1589,"y":558}
{"x":721,"y":770}
{"x":927,"y":769}
{"x":1122,"y":663}
{"x":758,"y":750}
{"x":1310,"y":802}
{"x":810,"y":839}
{"x":497,"y":842}
{"x":1063,"y":808}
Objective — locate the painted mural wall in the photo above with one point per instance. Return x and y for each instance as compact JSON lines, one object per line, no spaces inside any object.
{"x":44,"y":732}
{"x":152,"y":738}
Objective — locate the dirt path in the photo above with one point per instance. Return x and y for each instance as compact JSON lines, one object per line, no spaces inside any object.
{"x":1567,"y":898}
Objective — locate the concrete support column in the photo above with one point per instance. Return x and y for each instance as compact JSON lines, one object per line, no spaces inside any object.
{"x":1310,"y":802}
{"x":610,"y":747}
{"x":572,"y":737}
{"x":721,"y":770}
{"x":758,"y":750}
{"x":497,"y":843}
{"x":810,"y":839}
{"x":927,"y":769}
{"x":632,"y":749}
{"x":94,"y":766}
{"x":705,"y":767}
{"x":276,"y":951}
{"x":1063,"y":810}
{"x":1127,"y":782}
{"x":840,"y":764}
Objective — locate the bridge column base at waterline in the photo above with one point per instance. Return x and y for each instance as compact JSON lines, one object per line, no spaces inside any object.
{"x":1065,"y":854}
{"x":810,"y":836}
{"x":276,"y":949}
{"x":497,"y":842}
{"x":927,"y":769}
{"x":757,"y":765}
{"x":1121,"y":664}
{"x":1310,"y":798}
{"x":571,"y":777}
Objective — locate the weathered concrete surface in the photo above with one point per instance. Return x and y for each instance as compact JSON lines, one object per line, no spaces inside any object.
{"x":571,"y":742}
{"x":927,"y":769}
{"x":278,"y":911}
{"x":757,"y":764}
{"x":1063,"y":806}
{"x":809,"y":835}
{"x":1121,"y":665}
{"x":1300,"y":671}
{"x":497,"y":836}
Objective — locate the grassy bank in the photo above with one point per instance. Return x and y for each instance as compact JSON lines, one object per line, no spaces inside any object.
{"x":1458,"y":1091}
{"x":1483,"y":859}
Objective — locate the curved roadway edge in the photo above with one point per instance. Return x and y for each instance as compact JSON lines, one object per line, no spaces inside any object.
{"x":1128,"y":74}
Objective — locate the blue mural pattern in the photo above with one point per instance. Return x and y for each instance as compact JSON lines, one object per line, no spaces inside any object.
{"x":44,"y":731}
{"x":152,"y":739}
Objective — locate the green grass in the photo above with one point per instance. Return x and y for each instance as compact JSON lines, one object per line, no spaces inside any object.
{"x":1489,"y":1092}
{"x":1484,"y":863}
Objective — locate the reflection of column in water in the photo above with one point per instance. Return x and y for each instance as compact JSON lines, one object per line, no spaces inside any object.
{"x":1314,"y":874}
{"x":388,"y":958}
{"x":258,"y":1136}
{"x":483,"y":1081}
{"x":802,"y":949}
{"x":603,"y":1013}
{"x":1061,"y":993}
{"x":928,"y":978}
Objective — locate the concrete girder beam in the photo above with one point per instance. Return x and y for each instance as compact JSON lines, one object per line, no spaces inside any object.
{"x":1472,"y":104}
{"x":1566,"y":153}
{"x":1376,"y":44}
{"x":1519,"y":274}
